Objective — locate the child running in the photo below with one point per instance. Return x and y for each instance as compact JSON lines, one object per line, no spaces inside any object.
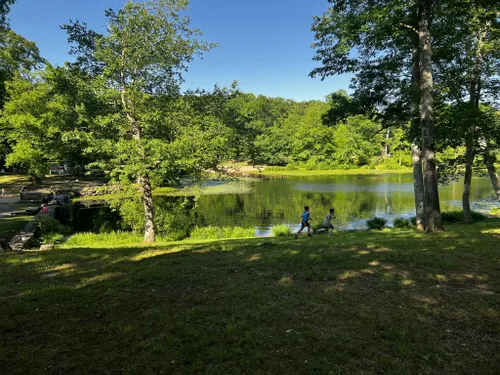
{"x":327,"y":220}
{"x":306,"y":216}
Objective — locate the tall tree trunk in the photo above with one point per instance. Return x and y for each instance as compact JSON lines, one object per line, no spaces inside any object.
{"x":432,"y":211}
{"x":149,"y":228}
{"x":147,"y":191}
{"x":474,"y":98}
{"x":142,"y":178}
{"x":489,"y":161}
{"x":416,"y":152}
{"x":469,"y":160}
{"x":418,"y":184}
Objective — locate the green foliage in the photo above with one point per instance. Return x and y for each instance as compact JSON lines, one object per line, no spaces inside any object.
{"x":376,"y":223}
{"x":402,"y":223}
{"x":29,"y":159}
{"x":495,"y":211}
{"x":51,"y":230}
{"x":17,"y":56}
{"x":4,"y":11}
{"x":173,"y":218}
{"x":458,"y":216}
{"x":219,"y":233}
{"x":281,"y":231}
{"x":47,"y":120}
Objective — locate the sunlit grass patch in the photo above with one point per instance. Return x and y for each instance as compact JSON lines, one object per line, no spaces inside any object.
{"x":220,"y":233}
{"x":240,"y":186}
{"x":96,"y":240}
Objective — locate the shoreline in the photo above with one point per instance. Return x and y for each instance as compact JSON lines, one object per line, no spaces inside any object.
{"x":335,"y":172}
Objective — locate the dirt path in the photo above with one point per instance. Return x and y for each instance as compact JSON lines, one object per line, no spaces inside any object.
{"x":10,"y":203}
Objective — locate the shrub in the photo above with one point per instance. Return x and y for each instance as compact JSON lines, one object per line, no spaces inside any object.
{"x":281,"y":231}
{"x":292,"y":167}
{"x":220,"y":233}
{"x":458,"y":216}
{"x":376,"y":223}
{"x":413,"y":220}
{"x":51,"y":230}
{"x":401,"y":222}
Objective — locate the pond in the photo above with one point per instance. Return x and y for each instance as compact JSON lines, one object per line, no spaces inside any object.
{"x":356,"y":198}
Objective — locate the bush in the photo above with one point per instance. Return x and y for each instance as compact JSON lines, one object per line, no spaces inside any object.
{"x":220,"y":233}
{"x":51,"y":230}
{"x":292,"y":167}
{"x":376,"y":223}
{"x":458,"y":216}
{"x":281,"y":231}
{"x":413,"y":220}
{"x":401,"y":222}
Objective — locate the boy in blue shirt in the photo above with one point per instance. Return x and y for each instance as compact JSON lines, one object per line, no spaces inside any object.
{"x":306,"y":216}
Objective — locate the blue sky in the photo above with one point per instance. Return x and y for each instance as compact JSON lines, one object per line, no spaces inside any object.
{"x":263,"y":44}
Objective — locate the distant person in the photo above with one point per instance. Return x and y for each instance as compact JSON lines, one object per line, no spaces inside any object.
{"x":327,"y":221}
{"x":306,"y":216}
{"x":3,"y":192}
{"x":45,"y":209}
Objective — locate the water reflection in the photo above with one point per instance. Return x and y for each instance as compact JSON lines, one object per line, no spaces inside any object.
{"x":355,"y":198}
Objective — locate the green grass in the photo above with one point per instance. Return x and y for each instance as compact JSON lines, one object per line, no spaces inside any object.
{"x":104,"y":240}
{"x":221,"y":233}
{"x":13,"y":183}
{"x":389,"y":302}
{"x":281,"y":231}
{"x":10,"y":226}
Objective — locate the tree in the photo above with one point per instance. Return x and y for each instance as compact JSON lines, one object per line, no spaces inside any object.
{"x":16,"y":55}
{"x":379,"y":41}
{"x":4,"y":11}
{"x":147,"y":47}
{"x":48,"y":117}
{"x":467,"y":65}
{"x":432,"y":210}
{"x":356,"y":140}
{"x":251,"y":116}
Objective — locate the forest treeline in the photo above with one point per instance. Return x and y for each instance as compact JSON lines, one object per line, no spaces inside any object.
{"x":424,"y":95}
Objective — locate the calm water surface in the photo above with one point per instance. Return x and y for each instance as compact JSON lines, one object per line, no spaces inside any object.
{"x":263,"y":204}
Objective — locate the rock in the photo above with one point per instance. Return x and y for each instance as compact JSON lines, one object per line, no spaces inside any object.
{"x":32,"y":210}
{"x":47,"y":247}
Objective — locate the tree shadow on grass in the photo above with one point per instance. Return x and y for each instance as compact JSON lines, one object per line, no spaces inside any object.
{"x":368,"y":303}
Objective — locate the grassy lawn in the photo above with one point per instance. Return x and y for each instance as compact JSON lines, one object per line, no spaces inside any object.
{"x":9,"y":226}
{"x":13,"y":183}
{"x":391,"y":302}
